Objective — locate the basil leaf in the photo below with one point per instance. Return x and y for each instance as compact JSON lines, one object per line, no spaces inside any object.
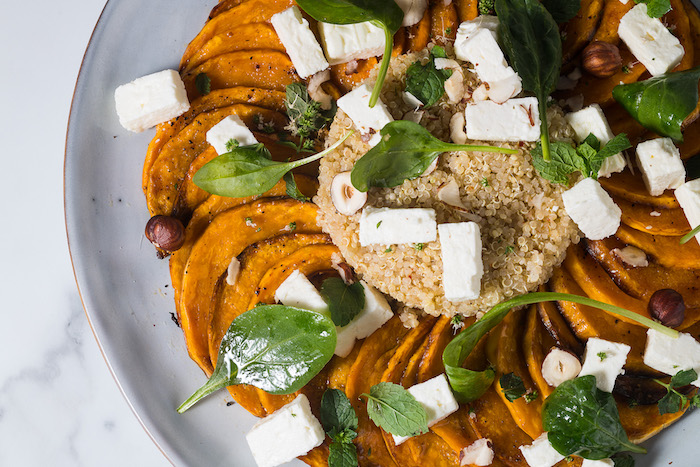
{"x":670,"y":403}
{"x":530,"y":38}
{"x":344,"y":301}
{"x":337,"y":414}
{"x":512,"y":386}
{"x":656,"y":8}
{"x":426,"y":82}
{"x":203,"y":84}
{"x":404,"y":153}
{"x":273,"y":347}
{"x":623,"y":460}
{"x":661,"y":103}
{"x":395,"y":410}
{"x":582,"y":420}
{"x":562,"y":10}
{"x":342,"y":455}
{"x":683,"y":378}
{"x":292,"y":189}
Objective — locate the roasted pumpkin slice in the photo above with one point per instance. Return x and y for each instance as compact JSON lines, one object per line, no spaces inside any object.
{"x":644,"y":421}
{"x":348,"y":75}
{"x":536,"y":345}
{"x":444,"y":22}
{"x":666,"y":251}
{"x":558,"y":328}
{"x":467,"y":10}
{"x":578,"y":31}
{"x":610,"y":21}
{"x":663,"y":222}
{"x":677,"y":20}
{"x":631,"y":187}
{"x":419,"y":33}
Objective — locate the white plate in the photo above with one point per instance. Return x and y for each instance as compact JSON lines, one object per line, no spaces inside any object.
{"x":125,"y":289}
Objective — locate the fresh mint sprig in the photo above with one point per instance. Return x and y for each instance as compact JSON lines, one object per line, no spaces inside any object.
{"x":395,"y":410}
{"x":340,"y":422}
{"x":345,"y":301}
{"x":656,"y":8}
{"x":306,"y":117}
{"x":426,"y":82}
{"x":674,"y":401}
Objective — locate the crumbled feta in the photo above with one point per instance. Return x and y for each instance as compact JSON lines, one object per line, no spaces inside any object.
{"x":541,"y":453}
{"x":650,"y":41}
{"x":301,"y":44}
{"x":231,"y":127}
{"x":436,"y":398}
{"x":290,"y":432}
{"x":150,"y":100}
{"x":369,"y":120}
{"x":389,"y":226}
{"x":413,"y":11}
{"x":346,"y":42}
{"x":592,"y":208}
{"x":514,"y":120}
{"x":661,"y":165}
{"x":592,"y":120}
{"x":480,"y":453}
{"x":468,"y":28}
{"x":462,"y":264}
{"x":671,"y":355}
{"x":298,"y":291}
{"x":599,"y":463}
{"x":604,"y":360}
{"x":688,"y":196}
{"x":375,"y":313}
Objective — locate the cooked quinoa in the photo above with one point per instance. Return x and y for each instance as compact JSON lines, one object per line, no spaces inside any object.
{"x":525,"y":230}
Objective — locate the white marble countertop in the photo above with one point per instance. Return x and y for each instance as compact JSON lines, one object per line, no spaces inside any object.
{"x":59,"y":404}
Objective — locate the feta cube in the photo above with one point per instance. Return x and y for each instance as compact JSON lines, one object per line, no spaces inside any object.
{"x":671,"y":355}
{"x":604,"y":360}
{"x":650,"y":41}
{"x":480,"y":453}
{"x":541,"y":453}
{"x":661,"y":165}
{"x":290,"y":432}
{"x":231,"y":127}
{"x":599,"y":463}
{"x":688,"y":196}
{"x":413,"y":11}
{"x":482,"y":51}
{"x":592,"y":120}
{"x":150,"y":100}
{"x":462,"y":264}
{"x":375,"y":313}
{"x":468,"y":28}
{"x":592,"y":208}
{"x":390,"y":226}
{"x":298,"y":291}
{"x":369,"y":120}
{"x":436,"y":398}
{"x":514,"y":120}
{"x":347,"y":42}
{"x":301,"y":44}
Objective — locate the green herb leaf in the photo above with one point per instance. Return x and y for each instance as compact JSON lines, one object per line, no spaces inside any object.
{"x":203,"y":84}
{"x":306,"y":117}
{"x":623,"y":459}
{"x":292,"y":189}
{"x":486,"y":7}
{"x":342,"y":455}
{"x":337,"y":414}
{"x":426,"y":82}
{"x":531,"y":396}
{"x":602,"y":356}
{"x":395,"y":410}
{"x":689,"y":236}
{"x":672,"y":402}
{"x":582,"y":420}
{"x":661,"y":103}
{"x":405,"y":152}
{"x":273,"y":347}
{"x":512,"y":386}
{"x":562,"y":10}
{"x":683,"y":378}
{"x":232,"y":144}
{"x":656,"y":8}
{"x":615,"y":146}
{"x":344,"y":301}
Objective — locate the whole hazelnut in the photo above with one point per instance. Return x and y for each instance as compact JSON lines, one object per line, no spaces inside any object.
{"x":601,"y":59}
{"x":668,"y":307}
{"x":165,"y":232}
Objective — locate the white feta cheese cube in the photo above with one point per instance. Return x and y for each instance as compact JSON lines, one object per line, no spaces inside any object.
{"x":150,"y":100}
{"x":468,"y":28}
{"x":298,"y":291}
{"x":599,"y":463}
{"x":591,"y":120}
{"x":650,"y":41}
{"x":346,"y":42}
{"x":369,"y":120}
{"x":514,"y":120}
{"x":480,"y":453}
{"x":301,"y":44}
{"x":661,"y":165}
{"x":592,"y":208}
{"x":375,"y":313}
{"x":413,"y":11}
{"x":436,"y":398}
{"x":231,"y":127}
{"x":541,"y":453}
{"x":604,"y":360}
{"x":290,"y":432}
{"x":671,"y":355}
{"x":390,"y":226}
{"x":462,"y":264}
{"x":688,"y":196}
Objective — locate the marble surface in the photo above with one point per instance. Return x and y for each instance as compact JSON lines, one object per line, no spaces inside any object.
{"x":59,"y":405}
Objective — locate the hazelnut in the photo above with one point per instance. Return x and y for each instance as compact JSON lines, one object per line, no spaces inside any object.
{"x":165,"y":232}
{"x":559,"y":366}
{"x":345,"y":197}
{"x":667,"y":306}
{"x":602,"y":59}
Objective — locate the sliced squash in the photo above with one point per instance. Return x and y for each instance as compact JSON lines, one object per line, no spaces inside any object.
{"x":610,"y":21}
{"x":558,"y":328}
{"x":666,"y":251}
{"x":536,"y":345}
{"x":578,"y":31}
{"x":663,"y":222}
{"x":467,"y":10}
{"x":444,"y":22}
{"x":631,"y":187}
{"x":419,"y":33}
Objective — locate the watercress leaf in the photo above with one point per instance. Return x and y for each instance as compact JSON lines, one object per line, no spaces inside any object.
{"x":292,"y":189}
{"x":670,"y":403}
{"x":683,"y":378}
{"x":344,"y":301}
{"x":623,"y":459}
{"x":661,"y":103}
{"x":426,"y":82}
{"x":562,"y":10}
{"x":582,"y":420}
{"x":395,"y":410}
{"x":564,"y":161}
{"x":512,"y":386}
{"x":203,"y":84}
{"x":273,"y":347}
{"x":342,"y":455}
{"x":656,"y":8}
{"x":337,"y":412}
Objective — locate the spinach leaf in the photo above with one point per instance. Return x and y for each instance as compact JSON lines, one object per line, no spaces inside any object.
{"x":395,"y":410}
{"x":530,"y":38}
{"x":306,"y":117}
{"x":386,"y":15}
{"x":203,"y":84}
{"x":342,"y":455}
{"x":562,"y":10}
{"x":292,"y":189}
{"x":404,"y":153}
{"x":344,"y":301}
{"x":656,"y":8}
{"x":582,"y":420}
{"x":340,"y":423}
{"x":512,"y":386}
{"x":273,"y":347}
{"x":661,"y":103}
{"x":426,"y":82}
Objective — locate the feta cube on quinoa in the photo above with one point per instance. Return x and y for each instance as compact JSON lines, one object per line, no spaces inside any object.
{"x":514,"y":120}
{"x":290,"y":432}
{"x":671,"y":355}
{"x":346,"y":42}
{"x":604,"y":360}
{"x":298,"y":291}
{"x":688,"y":196}
{"x":375,"y":313}
{"x":468,"y":28}
{"x":599,"y":463}
{"x":436,"y":398}
{"x":541,"y":453}
{"x":301,"y":44}
{"x":150,"y":100}
{"x":231,"y":127}
{"x":592,"y":209}
{"x":661,"y":165}
{"x":390,"y":226}
{"x":369,"y":120}
{"x":480,"y":453}
{"x":462,"y":264}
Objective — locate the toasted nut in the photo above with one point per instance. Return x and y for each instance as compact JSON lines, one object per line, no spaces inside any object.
{"x":316,"y":92}
{"x":454,"y":86}
{"x":632,"y":256}
{"x":602,"y":59}
{"x":346,"y":198}
{"x":559,"y":366}
{"x":165,"y":232}
{"x":668,"y":307}
{"x":458,"y":133}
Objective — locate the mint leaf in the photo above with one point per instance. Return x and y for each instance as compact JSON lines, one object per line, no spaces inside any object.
{"x":395,"y":410}
{"x":342,"y":455}
{"x":512,"y":386}
{"x":344,"y":301}
{"x":426,"y":82}
{"x":337,"y":413}
{"x":615,"y":146}
{"x":593,"y":141}
{"x":672,"y":402}
{"x":203,"y":84}
{"x":683,"y":378}
{"x":656,"y":8}
{"x":564,"y":161}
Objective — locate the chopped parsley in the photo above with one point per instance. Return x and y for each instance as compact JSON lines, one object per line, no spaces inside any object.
{"x":419,"y":246}
{"x":602,"y":356}
{"x":203,"y":84}
{"x":510,"y":249}
{"x":484,"y":182}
